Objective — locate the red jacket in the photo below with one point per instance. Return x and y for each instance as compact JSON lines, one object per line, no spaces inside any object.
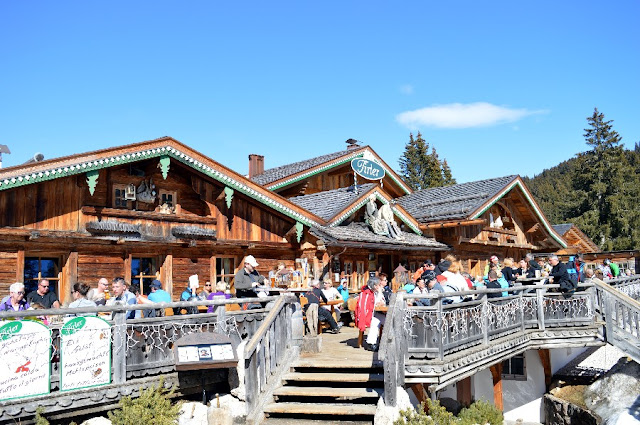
{"x":364,"y":308}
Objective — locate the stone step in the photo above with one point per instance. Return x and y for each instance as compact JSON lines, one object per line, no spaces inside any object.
{"x":339,"y":393}
{"x":306,"y":421}
{"x":333,"y":377}
{"x":321,"y":409}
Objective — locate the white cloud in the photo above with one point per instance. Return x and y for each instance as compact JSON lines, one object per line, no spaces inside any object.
{"x":459,"y":115}
{"x":406,"y":89}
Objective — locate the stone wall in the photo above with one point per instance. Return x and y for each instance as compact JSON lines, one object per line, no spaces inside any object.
{"x":561,"y":412}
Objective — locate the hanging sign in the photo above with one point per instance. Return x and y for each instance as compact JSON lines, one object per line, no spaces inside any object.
{"x":25,"y":350}
{"x":85,"y":347}
{"x":367,"y":169}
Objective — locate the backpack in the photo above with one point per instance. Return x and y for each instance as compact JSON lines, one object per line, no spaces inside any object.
{"x":573,"y":274}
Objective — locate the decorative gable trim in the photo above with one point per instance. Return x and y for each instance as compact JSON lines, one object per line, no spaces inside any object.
{"x":532,"y":202}
{"x":363,"y":201}
{"x":169,"y":151}
{"x":336,"y":163}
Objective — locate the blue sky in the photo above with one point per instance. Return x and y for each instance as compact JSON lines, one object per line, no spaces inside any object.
{"x":497,"y":87}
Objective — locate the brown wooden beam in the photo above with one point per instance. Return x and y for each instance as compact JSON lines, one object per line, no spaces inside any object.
{"x":545,"y":358}
{"x":420,"y":392}
{"x":20,"y":266}
{"x":463,"y":389}
{"x":496,"y":374}
{"x":453,"y":224}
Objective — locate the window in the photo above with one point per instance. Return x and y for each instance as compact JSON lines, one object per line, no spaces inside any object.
{"x":120,"y":194}
{"x":225,"y":269}
{"x":169,"y":198}
{"x":514,"y":368}
{"x":36,"y":268}
{"x":143,"y":271}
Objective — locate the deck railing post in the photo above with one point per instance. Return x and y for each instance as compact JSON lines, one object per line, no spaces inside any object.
{"x":540,"y":298}
{"x":485,"y":318}
{"x":390,"y":364}
{"x":521,"y":300}
{"x":402,"y":345}
{"x":120,"y":347}
{"x":440,"y":328}
{"x":221,"y":311}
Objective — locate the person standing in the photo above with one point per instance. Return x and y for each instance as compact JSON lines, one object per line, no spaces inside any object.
{"x":378,"y":318}
{"x":43,"y":295}
{"x":157,"y":295}
{"x":559,"y":275}
{"x":248,"y":278}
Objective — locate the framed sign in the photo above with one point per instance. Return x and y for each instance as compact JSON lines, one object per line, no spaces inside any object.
{"x":204,"y":350}
{"x":367,"y":169}
{"x":25,"y":354}
{"x":85,"y":353}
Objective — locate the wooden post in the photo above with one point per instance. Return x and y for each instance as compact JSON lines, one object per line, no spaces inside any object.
{"x":120,"y":347}
{"x":545,"y":358}
{"x":390,"y":363}
{"x":20,"y":266}
{"x":70,"y":277}
{"x":439,"y":329}
{"x":127,"y":267}
{"x":496,"y":374}
{"x":521,"y":298}
{"x":401,"y":343}
{"x":485,"y":318}
{"x":221,"y":311}
{"x":420,"y":392}
{"x":463,"y":389}
{"x":167,"y":271}
{"x":540,"y":298}
{"x":251,"y":380}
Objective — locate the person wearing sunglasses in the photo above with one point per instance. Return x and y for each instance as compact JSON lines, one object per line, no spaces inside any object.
{"x":43,"y":295}
{"x":16,"y":301}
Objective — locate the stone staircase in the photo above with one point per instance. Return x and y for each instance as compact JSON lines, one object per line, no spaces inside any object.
{"x":338,"y":394}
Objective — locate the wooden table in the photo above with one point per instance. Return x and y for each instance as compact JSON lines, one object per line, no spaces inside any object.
{"x":333,"y":303}
{"x":381,"y":308}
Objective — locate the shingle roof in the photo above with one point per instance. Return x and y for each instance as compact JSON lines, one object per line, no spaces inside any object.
{"x":360,"y":234}
{"x":329,"y":203}
{"x":277,"y":173}
{"x":452,"y":202}
{"x":561,"y":229}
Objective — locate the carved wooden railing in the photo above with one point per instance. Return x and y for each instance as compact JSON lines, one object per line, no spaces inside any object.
{"x":393,"y":349}
{"x":268,"y":353}
{"x":140,"y":347}
{"x":621,"y":310}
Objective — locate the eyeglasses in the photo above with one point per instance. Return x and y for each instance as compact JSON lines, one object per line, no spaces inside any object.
{"x":20,"y":292}
{"x":44,"y":286}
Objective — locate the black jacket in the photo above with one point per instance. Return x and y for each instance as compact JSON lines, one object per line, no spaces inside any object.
{"x":561,"y":277}
{"x":509,"y":274}
{"x":528,"y":274}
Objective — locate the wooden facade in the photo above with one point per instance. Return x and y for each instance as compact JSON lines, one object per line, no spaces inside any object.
{"x":87,"y":216}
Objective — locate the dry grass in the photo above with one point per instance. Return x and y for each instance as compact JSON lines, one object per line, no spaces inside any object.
{"x":573,"y":394}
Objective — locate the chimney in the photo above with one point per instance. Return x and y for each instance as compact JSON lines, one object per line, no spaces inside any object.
{"x":352,"y":144}
{"x":256,"y":165}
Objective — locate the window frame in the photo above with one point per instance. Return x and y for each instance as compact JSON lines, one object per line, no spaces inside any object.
{"x":507,"y":368}
{"x":114,"y":198}
{"x":52,"y":280}
{"x":172,"y":193}
{"x":145,"y":290}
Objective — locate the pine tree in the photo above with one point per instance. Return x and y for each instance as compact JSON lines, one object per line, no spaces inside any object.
{"x":421,"y":169}
{"x":605,"y":180}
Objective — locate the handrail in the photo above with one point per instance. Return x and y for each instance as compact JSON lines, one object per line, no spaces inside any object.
{"x":621,"y":296}
{"x":264,"y":327}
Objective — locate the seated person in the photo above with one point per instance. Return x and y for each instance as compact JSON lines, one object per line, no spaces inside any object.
{"x":157,"y":295}
{"x":331,"y":294}
{"x":16,"y":301}
{"x":98,"y":295}
{"x":221,"y":289}
{"x":492,"y":283}
{"x":344,"y":291}
{"x":426,"y":284}
{"x":315,"y":296}
{"x":118,"y":288}
{"x":43,"y":295}
{"x":448,"y":288}
{"x":79,"y":293}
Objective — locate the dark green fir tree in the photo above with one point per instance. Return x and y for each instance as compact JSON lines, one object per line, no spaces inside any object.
{"x":421,"y":169}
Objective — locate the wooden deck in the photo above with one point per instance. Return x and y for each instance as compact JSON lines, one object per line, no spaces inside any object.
{"x":340,"y":351}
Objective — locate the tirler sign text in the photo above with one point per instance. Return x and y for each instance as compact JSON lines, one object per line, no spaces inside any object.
{"x":367,"y":169}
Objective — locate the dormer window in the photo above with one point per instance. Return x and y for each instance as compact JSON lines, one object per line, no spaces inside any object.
{"x":169,"y":198}
{"x":120,"y":198}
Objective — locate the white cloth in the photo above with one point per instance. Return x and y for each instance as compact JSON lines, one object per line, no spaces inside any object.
{"x":456,"y":280}
{"x":332,"y":294}
{"x":374,"y":329}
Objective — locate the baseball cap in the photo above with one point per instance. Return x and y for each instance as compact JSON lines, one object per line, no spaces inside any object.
{"x":252,"y":261}
{"x":494,"y":257}
{"x":428,"y":276}
{"x":156,"y":284}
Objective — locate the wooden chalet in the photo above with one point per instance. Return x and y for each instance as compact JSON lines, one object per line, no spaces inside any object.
{"x":141,"y":211}
{"x":482,"y":218}
{"x":577,"y":241}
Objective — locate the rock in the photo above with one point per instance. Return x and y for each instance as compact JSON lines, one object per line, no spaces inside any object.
{"x":562,"y":412}
{"x":386,"y":415}
{"x":231,"y":411}
{"x":311,"y":344}
{"x":616,"y":393}
{"x":99,"y":420}
{"x":192,"y":413}
{"x":236,"y":376}
{"x":451,"y":405}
